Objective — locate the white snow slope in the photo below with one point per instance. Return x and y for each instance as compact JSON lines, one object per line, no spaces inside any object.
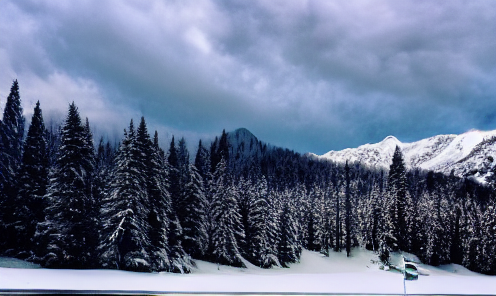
{"x":465,"y":154}
{"x":314,"y":274}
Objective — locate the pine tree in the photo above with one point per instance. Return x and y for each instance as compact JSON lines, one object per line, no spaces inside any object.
{"x":175,"y":189}
{"x":195,"y":228}
{"x":33,"y":182}
{"x":68,"y":226}
{"x":219,"y":150}
{"x":472,"y":235}
{"x":182,"y":179}
{"x":260,"y":252}
{"x":53,"y":141}
{"x":337,"y":235}
{"x":202,"y":162}
{"x":226,"y":221}
{"x":180,"y":261}
{"x":11,"y":144}
{"x":160,"y":203}
{"x":273,"y":224}
{"x":315,"y":219}
{"x":11,"y":140}
{"x":91,"y":230}
{"x":125,"y":242}
{"x":488,"y":241}
{"x":456,"y":253}
{"x":183,"y":162}
{"x":246,"y":194}
{"x":289,"y":246}
{"x":214,"y":157}
{"x":397,"y":187}
{"x":327,"y":222}
{"x":348,"y":209}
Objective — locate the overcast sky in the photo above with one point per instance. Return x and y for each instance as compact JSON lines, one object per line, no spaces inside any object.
{"x":312,"y":76}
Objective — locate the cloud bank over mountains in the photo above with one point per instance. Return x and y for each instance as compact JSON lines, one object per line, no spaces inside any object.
{"x":308,"y":75}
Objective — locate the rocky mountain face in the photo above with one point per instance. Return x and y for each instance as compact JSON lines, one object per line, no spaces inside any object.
{"x":243,"y":144}
{"x":467,"y":155}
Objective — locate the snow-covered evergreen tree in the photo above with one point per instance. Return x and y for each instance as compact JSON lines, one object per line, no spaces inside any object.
{"x":165,"y":232}
{"x":11,"y":144}
{"x":68,"y":227}
{"x":160,"y":203}
{"x":91,"y":231}
{"x":316,"y":213}
{"x":289,"y":245}
{"x":175,"y":189}
{"x":397,"y":187}
{"x":260,"y":251}
{"x":202,"y":162}
{"x":125,"y":242}
{"x":456,"y":252}
{"x":488,"y":241}
{"x":226,"y":220}
{"x":471,"y":234}
{"x":246,"y":194}
{"x":348,"y":209}
{"x":195,"y":228}
{"x":183,"y":162}
{"x":11,"y":140}
{"x":338,"y":222}
{"x":326,"y":243}
{"x":273,"y":225}
{"x":33,"y":182}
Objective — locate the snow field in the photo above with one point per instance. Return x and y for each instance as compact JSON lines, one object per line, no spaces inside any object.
{"x":314,"y":274}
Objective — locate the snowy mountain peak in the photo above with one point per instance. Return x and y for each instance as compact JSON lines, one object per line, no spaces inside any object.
{"x":465,"y":154}
{"x":390,"y":139}
{"x":389,"y":143}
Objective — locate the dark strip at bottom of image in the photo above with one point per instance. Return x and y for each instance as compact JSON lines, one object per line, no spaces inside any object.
{"x":117,"y":292}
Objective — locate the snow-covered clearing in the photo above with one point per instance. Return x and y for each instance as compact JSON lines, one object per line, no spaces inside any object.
{"x":314,"y":274}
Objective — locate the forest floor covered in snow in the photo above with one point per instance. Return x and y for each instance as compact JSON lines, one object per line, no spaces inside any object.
{"x":314,"y":274}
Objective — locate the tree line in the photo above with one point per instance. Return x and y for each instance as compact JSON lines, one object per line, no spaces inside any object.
{"x":67,"y":203}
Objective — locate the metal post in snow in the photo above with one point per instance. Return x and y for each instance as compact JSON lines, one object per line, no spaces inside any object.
{"x":404,"y":276}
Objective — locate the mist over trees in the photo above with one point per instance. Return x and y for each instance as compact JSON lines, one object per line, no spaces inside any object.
{"x":68,"y":203}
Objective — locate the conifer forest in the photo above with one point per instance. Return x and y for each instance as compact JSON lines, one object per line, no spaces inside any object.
{"x":68,"y":200}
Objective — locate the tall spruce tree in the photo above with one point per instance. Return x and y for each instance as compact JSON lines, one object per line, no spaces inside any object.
{"x":91,"y":231}
{"x":397,"y":187}
{"x":260,"y":251}
{"x":183,"y":162}
{"x":11,"y":140}
{"x":174,"y":177}
{"x":68,"y":228}
{"x":289,"y":247}
{"x":11,"y":144}
{"x":488,"y":241}
{"x":326,"y":242}
{"x":195,"y":228}
{"x":338,"y":229}
{"x":33,"y":182}
{"x":167,"y":253}
{"x":219,"y":150}
{"x":160,"y":205}
{"x":183,"y":174}
{"x":202,"y":162}
{"x":226,"y":221}
{"x":125,"y":242}
{"x":348,"y":209}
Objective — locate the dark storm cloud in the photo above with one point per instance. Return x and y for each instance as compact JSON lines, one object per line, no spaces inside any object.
{"x":309,"y":75}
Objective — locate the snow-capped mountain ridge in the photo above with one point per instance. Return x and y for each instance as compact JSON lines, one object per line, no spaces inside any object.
{"x":465,"y":154}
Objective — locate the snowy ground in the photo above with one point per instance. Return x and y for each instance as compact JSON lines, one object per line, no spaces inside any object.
{"x":315,"y":274}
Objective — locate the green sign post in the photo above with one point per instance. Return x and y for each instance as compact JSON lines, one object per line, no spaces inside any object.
{"x":410,"y":273}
